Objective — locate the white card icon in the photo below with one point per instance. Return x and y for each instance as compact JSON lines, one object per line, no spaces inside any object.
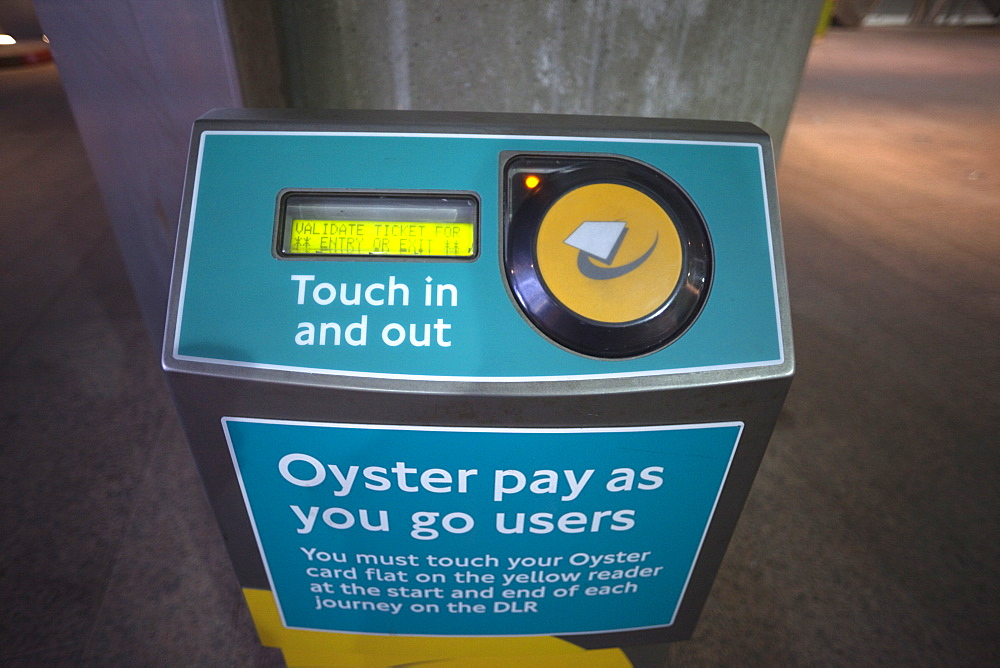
{"x":598,"y":238}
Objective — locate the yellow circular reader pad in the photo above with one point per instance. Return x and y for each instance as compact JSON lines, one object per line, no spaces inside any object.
{"x":609,"y":253}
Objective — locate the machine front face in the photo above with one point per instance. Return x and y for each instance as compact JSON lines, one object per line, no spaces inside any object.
{"x":451,"y":386}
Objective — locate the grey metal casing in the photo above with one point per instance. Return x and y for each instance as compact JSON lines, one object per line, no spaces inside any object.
{"x":204,"y":392}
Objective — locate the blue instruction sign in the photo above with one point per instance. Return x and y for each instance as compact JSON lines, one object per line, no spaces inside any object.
{"x":443,"y":531}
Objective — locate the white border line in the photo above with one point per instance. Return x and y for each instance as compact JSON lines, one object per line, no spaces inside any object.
{"x":459,"y":135}
{"x":484,"y":379}
{"x":770,"y":252}
{"x":187,"y":247}
{"x":520,"y":430}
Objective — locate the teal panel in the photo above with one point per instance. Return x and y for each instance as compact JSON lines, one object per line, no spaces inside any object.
{"x":475,"y":532}
{"x":239,"y":304}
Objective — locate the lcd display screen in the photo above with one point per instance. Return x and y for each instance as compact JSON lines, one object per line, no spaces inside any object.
{"x":430,"y":226}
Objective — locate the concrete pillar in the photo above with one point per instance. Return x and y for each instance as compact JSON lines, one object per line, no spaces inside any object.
{"x":709,"y":59}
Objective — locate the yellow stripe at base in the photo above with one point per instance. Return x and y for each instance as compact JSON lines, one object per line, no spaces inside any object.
{"x":319,"y":648}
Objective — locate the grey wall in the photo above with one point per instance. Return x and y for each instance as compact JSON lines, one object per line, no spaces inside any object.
{"x":710,"y":59}
{"x":137,"y":74}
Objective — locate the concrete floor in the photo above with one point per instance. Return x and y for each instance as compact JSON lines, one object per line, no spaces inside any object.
{"x":872,"y":535}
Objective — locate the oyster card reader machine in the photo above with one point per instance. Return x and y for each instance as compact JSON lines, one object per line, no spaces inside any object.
{"x":473,"y":387}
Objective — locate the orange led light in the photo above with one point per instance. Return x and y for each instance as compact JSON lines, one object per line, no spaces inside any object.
{"x":531,"y":181}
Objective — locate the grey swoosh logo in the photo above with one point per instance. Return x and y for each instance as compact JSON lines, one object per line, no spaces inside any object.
{"x":585,"y":263}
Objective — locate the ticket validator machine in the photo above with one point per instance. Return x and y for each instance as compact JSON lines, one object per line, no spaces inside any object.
{"x":475,"y":388}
